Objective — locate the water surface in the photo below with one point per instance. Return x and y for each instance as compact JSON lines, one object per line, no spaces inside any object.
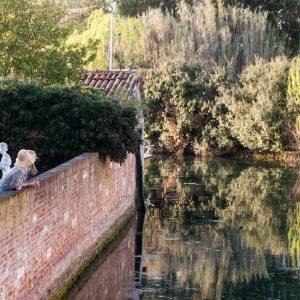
{"x":215,"y":229}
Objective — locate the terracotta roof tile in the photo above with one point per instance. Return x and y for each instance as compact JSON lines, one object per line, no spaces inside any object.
{"x":113,"y":81}
{"x":120,"y":86}
{"x":120,"y":75}
{"x":110,"y":84}
{"x":89,"y":79}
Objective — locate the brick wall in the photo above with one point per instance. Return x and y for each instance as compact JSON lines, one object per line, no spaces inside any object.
{"x":46,"y":232}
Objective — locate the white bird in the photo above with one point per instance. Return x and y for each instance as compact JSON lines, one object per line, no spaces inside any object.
{"x":147,"y":153}
{"x":147,"y":202}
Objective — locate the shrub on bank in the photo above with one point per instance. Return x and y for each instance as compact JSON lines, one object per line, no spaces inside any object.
{"x":180,"y":101}
{"x":193,"y":110}
{"x":294,"y":80}
{"x":294,"y":93}
{"x":62,"y":122}
{"x":259,"y":113}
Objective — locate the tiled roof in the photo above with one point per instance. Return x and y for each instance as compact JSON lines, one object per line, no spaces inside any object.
{"x":114,"y":81}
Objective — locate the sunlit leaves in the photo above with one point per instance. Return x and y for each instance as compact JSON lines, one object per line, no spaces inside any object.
{"x":31,"y":40}
{"x":294,"y":80}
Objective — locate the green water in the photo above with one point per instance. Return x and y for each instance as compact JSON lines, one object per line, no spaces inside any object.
{"x":217,"y":229}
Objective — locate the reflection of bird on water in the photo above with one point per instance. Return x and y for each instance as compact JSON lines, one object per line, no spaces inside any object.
{"x":147,"y":149}
{"x":148,"y":202}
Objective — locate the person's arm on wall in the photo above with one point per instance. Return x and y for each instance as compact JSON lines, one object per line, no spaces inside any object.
{"x":34,"y":183}
{"x":17,"y":184}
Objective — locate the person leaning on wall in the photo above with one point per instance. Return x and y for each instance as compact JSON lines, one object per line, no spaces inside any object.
{"x":17,"y":178}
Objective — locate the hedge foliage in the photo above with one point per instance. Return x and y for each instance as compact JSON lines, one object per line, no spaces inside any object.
{"x":60,"y":123}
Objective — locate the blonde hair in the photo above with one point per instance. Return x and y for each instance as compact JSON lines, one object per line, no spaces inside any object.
{"x":33,"y":169}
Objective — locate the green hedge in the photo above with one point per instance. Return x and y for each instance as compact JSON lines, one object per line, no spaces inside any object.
{"x":62,"y":122}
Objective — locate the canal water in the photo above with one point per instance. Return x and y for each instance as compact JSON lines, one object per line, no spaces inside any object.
{"x":214,"y":229}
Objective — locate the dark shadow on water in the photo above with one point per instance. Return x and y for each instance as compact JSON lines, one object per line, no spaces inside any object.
{"x":139,"y":249}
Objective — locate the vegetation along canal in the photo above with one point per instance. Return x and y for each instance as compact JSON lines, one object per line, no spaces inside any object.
{"x":218,"y":229}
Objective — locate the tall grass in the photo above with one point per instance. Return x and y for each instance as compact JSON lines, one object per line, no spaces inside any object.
{"x":212,"y":34}
{"x":209,"y":33}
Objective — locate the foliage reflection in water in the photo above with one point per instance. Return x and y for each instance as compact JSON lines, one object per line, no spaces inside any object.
{"x":219,"y":229}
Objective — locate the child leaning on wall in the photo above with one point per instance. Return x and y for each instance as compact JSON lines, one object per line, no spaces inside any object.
{"x":17,"y":177}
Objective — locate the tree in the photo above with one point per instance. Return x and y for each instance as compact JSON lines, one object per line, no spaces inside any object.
{"x":83,"y":3}
{"x":179,"y":102}
{"x":32,"y":43}
{"x":129,"y":51}
{"x":137,"y":7}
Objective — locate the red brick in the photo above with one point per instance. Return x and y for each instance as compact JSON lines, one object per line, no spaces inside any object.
{"x":24,"y":245}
